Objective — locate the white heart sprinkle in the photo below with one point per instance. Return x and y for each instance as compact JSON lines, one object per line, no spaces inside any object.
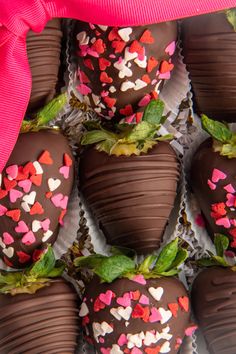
{"x":9,"y":252}
{"x":30,"y":198}
{"x":156,"y":293}
{"x":141,"y":63}
{"x":96,"y":99}
{"x":83,"y":310}
{"x":165,"y":348}
{"x":93,"y":40}
{"x":134,"y":340}
{"x":127,"y":85}
{"x":36,"y":225}
{"x":125,"y":313}
{"x":25,"y":207}
{"x":125,"y":33}
{"x":129,"y":56}
{"x":47,"y":235}
{"x":98,"y":110}
{"x":116,"y":349}
{"x":53,"y":184}
{"x":114,"y":313}
{"x":126,"y":323}
{"x":150,"y":338}
{"x":166,"y":329}
{"x":38,"y":168}
{"x":123,"y":69}
{"x":2,"y":244}
{"x":165,"y":315}
{"x":82,"y":38}
{"x":103,"y":28}
{"x":112,"y":89}
{"x":106,"y":327}
{"x":139,"y":84}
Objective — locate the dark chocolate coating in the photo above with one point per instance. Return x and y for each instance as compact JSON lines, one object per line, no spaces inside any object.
{"x":173,"y":289}
{"x":214,"y":305}
{"x":163,"y":34}
{"x":204,"y":162}
{"x":131,"y":197}
{"x":28,"y":148}
{"x":43,"y":51}
{"x":209,"y":44}
{"x":44,"y":322}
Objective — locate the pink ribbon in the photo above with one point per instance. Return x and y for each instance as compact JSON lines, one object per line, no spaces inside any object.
{"x":17,"y":17}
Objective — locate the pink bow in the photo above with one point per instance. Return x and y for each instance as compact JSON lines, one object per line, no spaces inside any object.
{"x":17,"y":17}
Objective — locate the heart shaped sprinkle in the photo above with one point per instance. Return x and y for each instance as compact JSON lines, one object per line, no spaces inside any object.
{"x":36,"y":225}
{"x":30,"y":198}
{"x":106,"y":297}
{"x":53,"y":184}
{"x":9,"y":184}
{"x":156,"y":293}
{"x":125,"y":300}
{"x":105,"y":78}
{"x":21,"y":227}
{"x":7,"y":238}
{"x":144,"y":300}
{"x":3,"y":210}
{"x":83,"y":310}
{"x":139,"y":279}
{"x":45,"y":158}
{"x":125,"y":313}
{"x":155,"y":315}
{"x":36,"y":209}
{"x":67,"y":160}
{"x":25,"y":185}
{"x":147,"y":37}
{"x":9,"y":252}
{"x":122,"y":340}
{"x":125,"y":33}
{"x":23,"y":257}
{"x":28,"y":239}
{"x":103,"y":63}
{"x":65,"y":170}
{"x":36,"y":180}
{"x":14,"y":194}
{"x":12,"y":171}
{"x":184,"y":303}
{"x":29,"y":169}
{"x":45,"y":224}
{"x":166,"y":67}
{"x":14,"y":214}
{"x":211,"y":185}
{"x":217,"y":175}
{"x":170,"y":49}
{"x":25,"y":206}
{"x":38,"y":168}
{"x":173,"y":307}
{"x":47,"y":235}
{"x":165,"y":315}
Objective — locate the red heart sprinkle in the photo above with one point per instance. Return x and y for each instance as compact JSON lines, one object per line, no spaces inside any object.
{"x":105,"y":78}
{"x":61,"y":217}
{"x":146,"y":79}
{"x":36,"y":180}
{"x":103,"y":63}
{"x":21,"y":175}
{"x":36,"y":209}
{"x":110,"y":102}
{"x":114,"y":34}
{"x":88,"y":63}
{"x":67,"y":160}
{"x":99,"y":46}
{"x":118,"y":46}
{"x":3,"y":193}
{"x":173,"y":307}
{"x":127,"y":110}
{"x":97,"y":33}
{"x":138,"y":311}
{"x":85,"y":320}
{"x":151,"y":64}
{"x":23,"y":257}
{"x":136,"y":48}
{"x":36,"y":255}
{"x":139,"y":116}
{"x":7,"y":262}
{"x":147,"y":37}
{"x":14,"y":214}
{"x":154,"y":95}
{"x":154,"y":350}
{"x":165,"y":67}
{"x":98,"y":305}
{"x":135,"y":295}
{"x":83,"y":77}
{"x":48,"y":195}
{"x":45,"y":158}
{"x":29,"y":169}
{"x":184,"y":303}
{"x":9,"y":184}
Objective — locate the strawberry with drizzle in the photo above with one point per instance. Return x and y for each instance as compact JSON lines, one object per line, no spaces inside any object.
{"x":35,"y":187}
{"x":129,"y":308}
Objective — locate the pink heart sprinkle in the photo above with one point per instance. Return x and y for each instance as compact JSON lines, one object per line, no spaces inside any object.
{"x":122,"y":340}
{"x":229,"y":254}
{"x":45,"y":224}
{"x":125,"y":300}
{"x":84,"y":89}
{"x":3,"y":210}
{"x":144,"y":101}
{"x":29,"y":238}
{"x":139,"y":279}
{"x":64,"y":202}
{"x":25,"y":185}
{"x":101,"y":340}
{"x":190,"y":330}
{"x":223,"y":222}
{"x":144,"y":300}
{"x":217,"y":175}
{"x":14,"y":195}
{"x":233,"y":222}
{"x":229,"y":188}
{"x":129,"y":119}
{"x":230,"y":200}
{"x":106,"y":298}
{"x":12,"y":171}
{"x":105,"y":350}
{"x":135,"y":350}
{"x":65,"y":171}
{"x":211,"y":185}
{"x":21,"y":227}
{"x":7,"y":238}
{"x":165,"y":76}
{"x":155,"y":315}
{"x":56,"y":199}
{"x":170,"y":49}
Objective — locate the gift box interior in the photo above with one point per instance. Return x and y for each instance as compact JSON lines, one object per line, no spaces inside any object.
{"x":128,"y":141}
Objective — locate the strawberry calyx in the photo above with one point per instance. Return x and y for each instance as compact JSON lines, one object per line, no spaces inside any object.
{"x":118,"y":265}
{"x":231,"y":17}
{"x":224,"y":140}
{"x":45,"y":115}
{"x":128,"y":139}
{"x":32,"y":278}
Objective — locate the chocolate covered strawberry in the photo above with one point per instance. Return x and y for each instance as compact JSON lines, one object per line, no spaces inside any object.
{"x":136,"y":308}
{"x":213,"y":181}
{"x":121,"y":69}
{"x":129,"y":180}
{"x":35,"y":187}
{"x":38,"y":309}
{"x":214,"y":299}
{"x":209,"y":44}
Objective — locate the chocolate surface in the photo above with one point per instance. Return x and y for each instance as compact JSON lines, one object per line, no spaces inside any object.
{"x":45,"y":322}
{"x":22,"y":234}
{"x":214,"y":305}
{"x":216,"y":198}
{"x":209,"y":44}
{"x":131,"y":197}
{"x":118,"y":67}
{"x":129,"y":309}
{"x":43,"y":51}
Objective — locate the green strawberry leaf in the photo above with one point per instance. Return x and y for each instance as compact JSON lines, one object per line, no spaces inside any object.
{"x":221,"y":244}
{"x":148,"y":262}
{"x":220,"y":260}
{"x":154,"y":112}
{"x":90,"y":262}
{"x":96,"y":136}
{"x":166,"y":257}
{"x":231,"y":17}
{"x":169,"y":273}
{"x":115,"y":250}
{"x":43,"y":266}
{"x":92,"y":125}
{"x":165,"y":137}
{"x":114,"y":267}
{"x":57,"y":270}
{"x":181,"y":256}
{"x":217,"y":130}
{"x":142,"y":131}
{"x":207,"y":262}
